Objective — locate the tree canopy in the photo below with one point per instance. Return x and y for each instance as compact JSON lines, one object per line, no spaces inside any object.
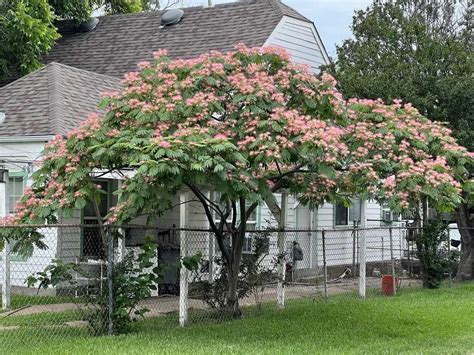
{"x":422,"y":52}
{"x":245,"y":124}
{"x":418,"y":51}
{"x":27,"y":32}
{"x":81,"y":10}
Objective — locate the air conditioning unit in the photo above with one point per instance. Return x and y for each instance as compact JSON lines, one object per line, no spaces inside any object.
{"x":389,"y":216}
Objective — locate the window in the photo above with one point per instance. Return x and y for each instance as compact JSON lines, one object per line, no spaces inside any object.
{"x":252,"y":243}
{"x":341,"y":215}
{"x":16,"y":187}
{"x":252,"y":220}
{"x":345,"y":216}
{"x":388,"y":216}
{"x":92,"y":246}
{"x":247,"y":247}
{"x":253,"y":216}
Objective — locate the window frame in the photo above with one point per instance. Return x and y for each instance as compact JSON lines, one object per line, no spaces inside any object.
{"x":16,"y":175}
{"x":350,"y":210}
{"x":256,"y":212}
{"x":335,"y":219}
{"x":249,"y":241}
{"x":91,"y":218}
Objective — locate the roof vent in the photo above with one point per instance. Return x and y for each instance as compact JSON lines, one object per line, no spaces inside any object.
{"x":171,"y":17}
{"x":89,"y":25}
{"x":2,"y":117}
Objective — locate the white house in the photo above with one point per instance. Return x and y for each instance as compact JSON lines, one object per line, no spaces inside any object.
{"x":83,"y":64}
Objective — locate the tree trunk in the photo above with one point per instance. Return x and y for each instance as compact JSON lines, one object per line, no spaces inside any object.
{"x":234,"y":267}
{"x":232,"y":296}
{"x":465,"y":222}
{"x":233,"y":278}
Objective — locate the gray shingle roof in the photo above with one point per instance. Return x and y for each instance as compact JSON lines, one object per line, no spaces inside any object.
{"x":58,"y":97}
{"x":51,"y":100}
{"x":289,"y":11}
{"x":118,"y":42}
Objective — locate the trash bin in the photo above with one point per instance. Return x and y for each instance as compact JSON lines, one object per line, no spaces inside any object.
{"x":388,"y":285}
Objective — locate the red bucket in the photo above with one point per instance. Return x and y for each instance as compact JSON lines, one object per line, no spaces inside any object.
{"x":388,"y":285}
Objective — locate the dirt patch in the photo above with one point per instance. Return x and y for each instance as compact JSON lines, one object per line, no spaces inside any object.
{"x":159,"y":306}
{"x":36,"y":309}
{"x":77,"y":324}
{"x":9,"y":327}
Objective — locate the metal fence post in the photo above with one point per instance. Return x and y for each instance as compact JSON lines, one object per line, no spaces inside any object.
{"x":390,"y":231}
{"x":183,"y":272}
{"x":6,"y":285}
{"x":362,"y":248}
{"x":354,"y":237}
{"x":281,"y":252}
{"x":183,"y":284}
{"x":325,"y":268}
{"x":362,"y":266}
{"x":281,"y":270}
{"x":211,"y":256}
{"x":449,"y":254}
{"x":110,"y":281}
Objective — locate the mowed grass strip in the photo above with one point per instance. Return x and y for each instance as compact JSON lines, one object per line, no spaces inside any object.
{"x":415,"y":321}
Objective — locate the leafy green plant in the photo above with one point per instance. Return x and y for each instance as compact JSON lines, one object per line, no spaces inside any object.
{"x":54,"y":274}
{"x":433,"y":251}
{"x":131,"y":283}
{"x":253,"y":277}
{"x":27,"y":33}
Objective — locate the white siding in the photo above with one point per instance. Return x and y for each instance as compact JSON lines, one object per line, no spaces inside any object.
{"x":325,"y":216}
{"x":373,"y":212}
{"x":301,"y":40}
{"x":19,"y":157}
{"x":69,"y":238}
{"x":21,"y":268}
{"x":27,"y":151}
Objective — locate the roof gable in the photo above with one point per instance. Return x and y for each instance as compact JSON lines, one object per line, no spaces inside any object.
{"x":51,"y":100}
{"x":120,"y":41}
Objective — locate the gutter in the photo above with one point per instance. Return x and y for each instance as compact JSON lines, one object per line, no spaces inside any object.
{"x":25,"y":139}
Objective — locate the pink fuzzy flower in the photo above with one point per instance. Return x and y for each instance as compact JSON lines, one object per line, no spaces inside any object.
{"x":164,"y":144}
{"x":220,"y":136}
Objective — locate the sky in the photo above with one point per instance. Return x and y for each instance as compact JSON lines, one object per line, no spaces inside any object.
{"x":331,"y":17}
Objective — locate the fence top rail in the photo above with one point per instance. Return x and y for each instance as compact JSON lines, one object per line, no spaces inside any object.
{"x":207,"y":230}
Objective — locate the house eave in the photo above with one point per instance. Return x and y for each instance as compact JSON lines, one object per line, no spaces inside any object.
{"x":25,"y":139}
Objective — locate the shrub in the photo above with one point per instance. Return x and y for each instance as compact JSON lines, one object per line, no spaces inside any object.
{"x":433,"y":251}
{"x":131,"y":284}
{"x":252,"y":280}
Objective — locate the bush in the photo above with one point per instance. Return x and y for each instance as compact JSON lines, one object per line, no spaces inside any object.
{"x":131,"y":284}
{"x":253,"y":278}
{"x":433,"y":251}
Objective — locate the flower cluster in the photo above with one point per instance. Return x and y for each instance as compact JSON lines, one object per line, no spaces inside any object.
{"x":247,"y":122}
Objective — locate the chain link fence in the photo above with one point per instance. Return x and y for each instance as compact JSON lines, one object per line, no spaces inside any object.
{"x":90,"y":280}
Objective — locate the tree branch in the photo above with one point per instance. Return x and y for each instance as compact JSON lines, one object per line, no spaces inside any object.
{"x":217,"y":232}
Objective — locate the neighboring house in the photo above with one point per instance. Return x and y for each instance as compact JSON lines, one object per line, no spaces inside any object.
{"x":56,"y":98}
{"x":48,"y":102}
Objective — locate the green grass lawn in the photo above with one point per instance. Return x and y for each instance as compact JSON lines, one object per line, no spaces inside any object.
{"x":416,"y":321}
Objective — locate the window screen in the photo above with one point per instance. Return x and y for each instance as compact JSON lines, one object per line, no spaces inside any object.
{"x":344,"y":216}
{"x":341,"y":217}
{"x":15,"y":191}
